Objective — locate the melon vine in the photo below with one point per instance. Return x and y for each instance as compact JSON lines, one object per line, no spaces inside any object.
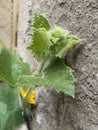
{"x":48,"y":46}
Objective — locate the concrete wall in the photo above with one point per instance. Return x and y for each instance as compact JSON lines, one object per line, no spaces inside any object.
{"x":6,"y":21}
{"x":58,"y":111}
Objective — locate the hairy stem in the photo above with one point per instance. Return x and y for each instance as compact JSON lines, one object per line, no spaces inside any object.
{"x":42,"y":65}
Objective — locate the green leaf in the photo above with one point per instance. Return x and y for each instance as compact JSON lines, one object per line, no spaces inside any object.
{"x":40,"y":44}
{"x":3,"y":108}
{"x":11,"y":66}
{"x":9,"y":97}
{"x":54,"y":42}
{"x":31,"y":81}
{"x":12,"y":113}
{"x":71,"y":40}
{"x":61,"y":77}
{"x":57,"y":75}
{"x":12,"y":120}
{"x":62,"y":41}
{"x":39,"y":21}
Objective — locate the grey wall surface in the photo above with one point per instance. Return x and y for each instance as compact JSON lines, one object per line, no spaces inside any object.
{"x":58,"y":111}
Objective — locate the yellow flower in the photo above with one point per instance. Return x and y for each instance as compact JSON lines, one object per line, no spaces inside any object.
{"x":31,"y":97}
{"x":23,"y":91}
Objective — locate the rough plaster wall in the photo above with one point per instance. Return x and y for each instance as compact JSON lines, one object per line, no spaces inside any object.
{"x":5,"y":21}
{"x":58,"y":111}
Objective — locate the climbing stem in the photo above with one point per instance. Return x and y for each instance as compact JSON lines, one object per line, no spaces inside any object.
{"x":42,"y":65}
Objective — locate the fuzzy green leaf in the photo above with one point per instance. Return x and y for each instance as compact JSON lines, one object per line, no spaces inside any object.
{"x":39,"y":21}
{"x":71,"y":41}
{"x":3,"y":108}
{"x":62,"y":41}
{"x":11,"y":66}
{"x":12,"y":116}
{"x":54,"y":42}
{"x":57,"y":75}
{"x":31,"y":81}
{"x":61,"y":77}
{"x":40,"y":44}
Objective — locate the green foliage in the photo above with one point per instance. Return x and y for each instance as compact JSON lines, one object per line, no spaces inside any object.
{"x":48,"y":46}
{"x":62,"y":41}
{"x":10,"y":111}
{"x":57,"y":75}
{"x":3,"y":108}
{"x":52,"y":42}
{"x":11,"y":66}
{"x":39,"y":21}
{"x":40,"y":44}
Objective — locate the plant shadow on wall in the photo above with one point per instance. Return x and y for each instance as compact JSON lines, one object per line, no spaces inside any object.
{"x":48,"y":47}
